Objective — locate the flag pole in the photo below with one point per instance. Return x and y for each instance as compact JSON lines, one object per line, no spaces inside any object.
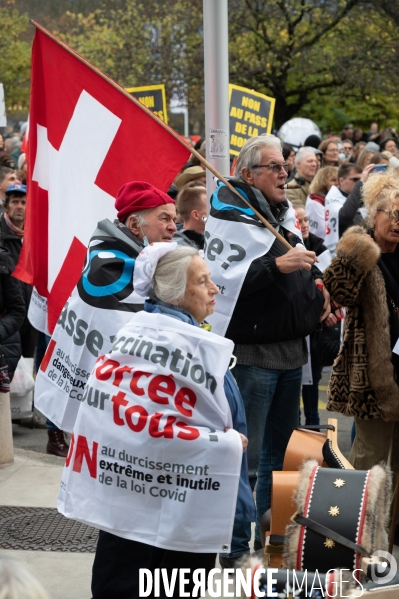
{"x":162,"y":124}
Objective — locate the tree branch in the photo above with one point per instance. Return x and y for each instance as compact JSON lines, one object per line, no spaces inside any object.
{"x":348,"y":7}
{"x":311,"y":88}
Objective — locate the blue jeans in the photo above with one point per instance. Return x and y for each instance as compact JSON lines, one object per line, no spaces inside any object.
{"x":271,"y":400}
{"x":310,"y":396}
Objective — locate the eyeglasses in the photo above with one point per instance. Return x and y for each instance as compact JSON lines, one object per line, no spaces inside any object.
{"x":393,"y":215}
{"x":274,"y":167}
{"x":354,"y":178}
{"x":335,"y":150}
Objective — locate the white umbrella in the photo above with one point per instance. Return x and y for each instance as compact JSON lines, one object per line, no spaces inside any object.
{"x":295,"y":131}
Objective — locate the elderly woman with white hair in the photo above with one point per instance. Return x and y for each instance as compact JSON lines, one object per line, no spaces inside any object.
{"x":182,"y":295}
{"x":364,"y":277}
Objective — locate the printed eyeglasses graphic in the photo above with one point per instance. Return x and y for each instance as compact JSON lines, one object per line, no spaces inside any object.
{"x":392,"y":214}
{"x":274,"y":167}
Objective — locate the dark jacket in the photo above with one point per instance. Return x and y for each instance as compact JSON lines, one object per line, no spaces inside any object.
{"x":273,"y":306}
{"x":245,"y":507}
{"x":315,"y":244}
{"x":12,"y":313}
{"x":190,"y":238}
{"x":28,"y":333}
{"x":349,"y":214}
{"x":9,"y":240}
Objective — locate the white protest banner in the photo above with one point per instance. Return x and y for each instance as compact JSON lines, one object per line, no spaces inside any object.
{"x":37,"y":312}
{"x":324,"y":260}
{"x":149,"y":459}
{"x":316,"y":215}
{"x":232,"y":221}
{"x":101,"y":303}
{"x":396,"y":348}
{"x":334,"y":202}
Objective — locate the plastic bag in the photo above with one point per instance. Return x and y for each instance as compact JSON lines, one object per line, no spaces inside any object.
{"x":23,"y":380}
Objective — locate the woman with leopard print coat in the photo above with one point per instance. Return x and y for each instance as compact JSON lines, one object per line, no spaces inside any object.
{"x":364,"y":278}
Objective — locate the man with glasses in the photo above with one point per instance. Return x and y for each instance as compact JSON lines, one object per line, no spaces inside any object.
{"x":274,"y":302}
{"x":344,"y":204}
{"x":347,"y":147}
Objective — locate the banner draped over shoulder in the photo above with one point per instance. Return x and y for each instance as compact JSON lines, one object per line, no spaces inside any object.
{"x":101,"y":303}
{"x":87,"y":138}
{"x":317,"y":216}
{"x":334,"y":202}
{"x":149,"y":449}
{"x":234,"y":238}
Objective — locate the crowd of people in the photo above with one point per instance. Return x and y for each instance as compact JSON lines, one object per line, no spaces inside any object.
{"x":336,"y":261}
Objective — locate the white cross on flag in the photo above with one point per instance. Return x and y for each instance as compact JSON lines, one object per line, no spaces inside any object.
{"x":87,"y":138}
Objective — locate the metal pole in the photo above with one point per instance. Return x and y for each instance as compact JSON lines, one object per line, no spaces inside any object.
{"x":186,"y":127}
{"x":216,"y":62}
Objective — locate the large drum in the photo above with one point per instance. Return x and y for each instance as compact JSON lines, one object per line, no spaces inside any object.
{"x":342,"y":516}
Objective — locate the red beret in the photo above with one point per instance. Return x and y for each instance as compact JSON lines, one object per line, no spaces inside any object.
{"x":138,"y":195}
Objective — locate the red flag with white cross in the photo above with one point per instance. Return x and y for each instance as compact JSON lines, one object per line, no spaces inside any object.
{"x":87,"y":138}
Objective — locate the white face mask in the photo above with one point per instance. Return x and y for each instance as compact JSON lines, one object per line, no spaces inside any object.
{"x":342,"y":156}
{"x":146,"y":243}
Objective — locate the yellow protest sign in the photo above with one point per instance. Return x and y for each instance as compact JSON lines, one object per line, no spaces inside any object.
{"x":251,"y":114}
{"x":152,"y":97}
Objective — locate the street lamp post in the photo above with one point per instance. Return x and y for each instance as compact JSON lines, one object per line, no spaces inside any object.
{"x":216,"y":62}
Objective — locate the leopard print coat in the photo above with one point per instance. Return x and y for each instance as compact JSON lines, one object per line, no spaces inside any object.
{"x":362,"y":381}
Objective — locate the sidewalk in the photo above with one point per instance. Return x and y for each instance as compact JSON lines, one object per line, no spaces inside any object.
{"x":33,"y":481}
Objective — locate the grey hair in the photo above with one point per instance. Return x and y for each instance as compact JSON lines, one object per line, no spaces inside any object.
{"x":251,"y":152}
{"x":170,"y":278}
{"x":16,"y":581}
{"x":15,"y":142}
{"x":140,"y":216}
{"x":300,"y":156}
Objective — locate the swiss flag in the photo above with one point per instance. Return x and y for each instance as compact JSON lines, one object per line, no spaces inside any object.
{"x":86,"y":139}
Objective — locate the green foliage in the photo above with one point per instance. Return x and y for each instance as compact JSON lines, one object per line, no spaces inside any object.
{"x":325,"y":60}
{"x":330,"y":60}
{"x":142,"y":43}
{"x":14,"y":60}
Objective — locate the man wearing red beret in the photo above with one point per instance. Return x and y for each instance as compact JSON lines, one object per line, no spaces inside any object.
{"x":104,"y":298}
{"x":148,"y":213}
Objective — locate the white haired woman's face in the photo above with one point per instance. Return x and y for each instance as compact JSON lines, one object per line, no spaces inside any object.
{"x":199,"y":297}
{"x":386,"y":226}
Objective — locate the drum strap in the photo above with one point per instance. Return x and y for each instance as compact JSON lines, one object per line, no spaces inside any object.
{"x":327,"y":532}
